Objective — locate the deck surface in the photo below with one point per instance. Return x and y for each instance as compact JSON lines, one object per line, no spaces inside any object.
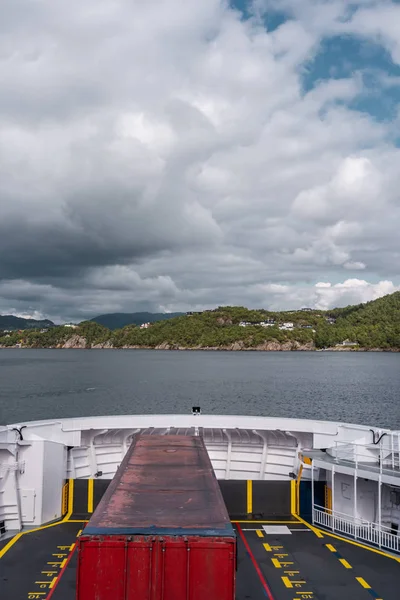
{"x":291,"y":564}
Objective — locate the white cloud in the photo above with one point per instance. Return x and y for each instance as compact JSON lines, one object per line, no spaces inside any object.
{"x":167,"y":154}
{"x":351,"y":291}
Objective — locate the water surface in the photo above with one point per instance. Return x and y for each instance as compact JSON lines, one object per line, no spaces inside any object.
{"x":353,"y":387}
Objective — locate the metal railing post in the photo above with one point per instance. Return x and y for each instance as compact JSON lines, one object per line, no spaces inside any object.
{"x":380,"y":510}
{"x":356,"y":456}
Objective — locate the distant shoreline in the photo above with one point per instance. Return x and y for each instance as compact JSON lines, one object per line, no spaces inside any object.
{"x":207,"y":349}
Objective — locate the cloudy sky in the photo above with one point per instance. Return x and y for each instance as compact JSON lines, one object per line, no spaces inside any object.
{"x":170,"y":155}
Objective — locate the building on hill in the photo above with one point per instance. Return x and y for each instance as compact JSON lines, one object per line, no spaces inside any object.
{"x":71,"y":325}
{"x":288,"y":326}
{"x":267,"y":323}
{"x":347,"y":343}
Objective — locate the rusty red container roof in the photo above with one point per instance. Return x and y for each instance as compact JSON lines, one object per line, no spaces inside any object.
{"x":165,"y":485}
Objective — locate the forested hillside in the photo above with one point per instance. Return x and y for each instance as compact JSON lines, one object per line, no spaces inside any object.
{"x":375,"y":325}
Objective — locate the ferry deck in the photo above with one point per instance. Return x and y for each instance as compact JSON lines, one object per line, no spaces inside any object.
{"x":279,"y":558}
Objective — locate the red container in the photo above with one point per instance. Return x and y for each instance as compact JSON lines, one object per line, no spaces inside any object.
{"x":161,"y":530}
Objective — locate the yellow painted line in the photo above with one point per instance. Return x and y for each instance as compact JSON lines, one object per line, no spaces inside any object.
{"x":352,"y":542}
{"x":64,"y":520}
{"x":287,"y":582}
{"x":72,"y":546}
{"x":49,"y":572}
{"x":10,"y":544}
{"x":298,"y":489}
{"x":316,"y":531}
{"x":249,"y":496}
{"x":293,"y":497}
{"x":267,"y":547}
{"x":330,"y":547}
{"x":345,"y":563}
{"x":79,"y":533}
{"x":291,"y":573}
{"x":90,"y":495}
{"x":62,"y":565}
{"x":37,"y":594}
{"x":43,"y":582}
{"x":53,"y":582}
{"x":77,"y":521}
{"x":320,"y":533}
{"x":276,"y":563}
{"x":70,"y":500}
{"x":259,"y":533}
{"x":362,"y":582}
{"x":259,"y":521}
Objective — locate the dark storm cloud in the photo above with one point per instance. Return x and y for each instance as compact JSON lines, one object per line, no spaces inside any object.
{"x":164,"y":156}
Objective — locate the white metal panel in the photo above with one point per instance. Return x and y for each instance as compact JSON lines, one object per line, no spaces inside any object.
{"x":28,"y":505}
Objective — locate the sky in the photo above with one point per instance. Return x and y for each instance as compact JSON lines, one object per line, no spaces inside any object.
{"x":168,"y":156}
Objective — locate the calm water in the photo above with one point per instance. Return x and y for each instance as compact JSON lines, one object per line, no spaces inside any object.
{"x":44,"y":384}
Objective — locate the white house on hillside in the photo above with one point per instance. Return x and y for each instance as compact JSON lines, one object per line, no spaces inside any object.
{"x":288,"y":326}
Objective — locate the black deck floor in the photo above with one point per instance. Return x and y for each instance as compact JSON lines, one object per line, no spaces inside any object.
{"x":297,"y":565}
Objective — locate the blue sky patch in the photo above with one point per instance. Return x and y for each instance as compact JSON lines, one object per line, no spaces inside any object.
{"x":272,"y":19}
{"x":344,"y":56}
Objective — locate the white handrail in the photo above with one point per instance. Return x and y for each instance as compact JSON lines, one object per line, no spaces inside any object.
{"x":368,"y":532}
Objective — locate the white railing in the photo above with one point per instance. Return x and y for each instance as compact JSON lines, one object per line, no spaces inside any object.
{"x":383,"y":457}
{"x":368,"y":532}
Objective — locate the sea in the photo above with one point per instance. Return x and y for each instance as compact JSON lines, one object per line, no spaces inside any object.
{"x":349,"y":387}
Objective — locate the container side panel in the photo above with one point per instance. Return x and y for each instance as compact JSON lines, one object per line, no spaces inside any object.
{"x":139,"y":571}
{"x":212,"y":571}
{"x":175,"y":571}
{"x":101,"y":571}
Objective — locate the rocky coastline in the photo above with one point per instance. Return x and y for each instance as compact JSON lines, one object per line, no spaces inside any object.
{"x":77,"y":342}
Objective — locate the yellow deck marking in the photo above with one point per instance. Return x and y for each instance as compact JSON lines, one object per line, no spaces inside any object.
{"x":320,"y":533}
{"x":298,"y":488}
{"x":90,"y":496}
{"x":10,"y":544}
{"x":70,"y":499}
{"x":281,"y":563}
{"x":48,"y":572}
{"x":43,"y":582}
{"x":345,"y":563}
{"x":79,"y":533}
{"x":267,"y":547}
{"x":276,"y":563}
{"x":259,"y":533}
{"x":72,"y":546}
{"x":63,"y":563}
{"x":249,"y":496}
{"x":53,"y":582}
{"x":81,"y":521}
{"x":64,"y":520}
{"x":362,"y":582}
{"x":287,"y":582}
{"x":330,"y":547}
{"x":291,"y":573}
{"x":259,"y":521}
